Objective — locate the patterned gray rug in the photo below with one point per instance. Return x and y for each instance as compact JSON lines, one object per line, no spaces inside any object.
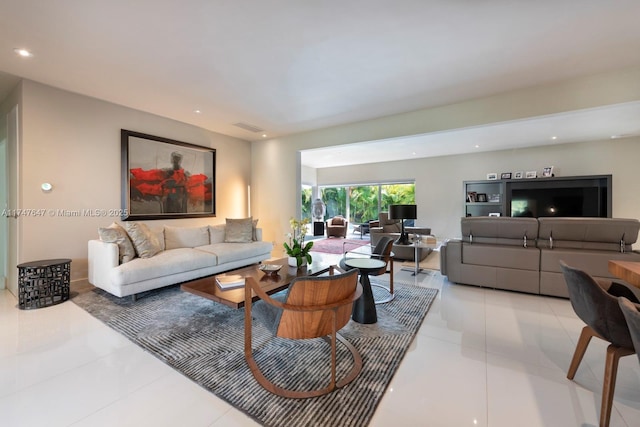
{"x":204,"y":341}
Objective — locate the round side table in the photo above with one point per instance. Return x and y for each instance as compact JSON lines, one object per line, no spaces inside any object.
{"x":43,"y":283}
{"x":364,"y":309}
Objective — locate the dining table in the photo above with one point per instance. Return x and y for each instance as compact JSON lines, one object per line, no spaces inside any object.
{"x":629,"y":271}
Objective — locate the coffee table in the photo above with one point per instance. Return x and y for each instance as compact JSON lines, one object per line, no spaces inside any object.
{"x":207,"y":288}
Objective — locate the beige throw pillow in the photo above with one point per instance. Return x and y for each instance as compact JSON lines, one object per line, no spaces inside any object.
{"x":239,"y":230}
{"x":116,"y":234}
{"x":185,"y":237}
{"x":145,"y":242}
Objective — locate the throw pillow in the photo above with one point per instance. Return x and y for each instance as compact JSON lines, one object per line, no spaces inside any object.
{"x":216,"y":233}
{"x":116,"y":234}
{"x":185,"y":237}
{"x":239,"y":230}
{"x":145,"y":242}
{"x":254,"y":233}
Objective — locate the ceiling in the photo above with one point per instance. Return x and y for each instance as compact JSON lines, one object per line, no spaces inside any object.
{"x":290,"y":66}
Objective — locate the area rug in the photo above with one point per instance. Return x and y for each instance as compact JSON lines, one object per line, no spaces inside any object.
{"x":337,"y":246}
{"x":204,"y":341}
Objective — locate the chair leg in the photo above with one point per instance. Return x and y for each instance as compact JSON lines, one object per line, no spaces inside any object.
{"x":581,"y":347}
{"x":391,"y":277}
{"x":614,"y":353}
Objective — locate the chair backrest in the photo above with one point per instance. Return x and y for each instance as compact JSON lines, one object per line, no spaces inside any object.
{"x":632,"y":315}
{"x":596,"y":307}
{"x":315,"y":299}
{"x":383,"y":247}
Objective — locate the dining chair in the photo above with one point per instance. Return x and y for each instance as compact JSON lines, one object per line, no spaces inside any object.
{"x":631,"y":313}
{"x":599,"y":309}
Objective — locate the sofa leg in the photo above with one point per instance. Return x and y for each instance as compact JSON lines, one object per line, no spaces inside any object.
{"x":134,"y":298}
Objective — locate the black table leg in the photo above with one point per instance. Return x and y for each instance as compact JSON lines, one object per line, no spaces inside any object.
{"x":364,"y":309}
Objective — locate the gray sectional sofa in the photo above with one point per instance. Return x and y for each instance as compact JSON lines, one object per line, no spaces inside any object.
{"x":523,"y":254}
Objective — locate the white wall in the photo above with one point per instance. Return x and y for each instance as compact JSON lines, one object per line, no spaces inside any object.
{"x":73,"y":142}
{"x":439,"y":191}
{"x":4,"y":231}
{"x":275,"y":176}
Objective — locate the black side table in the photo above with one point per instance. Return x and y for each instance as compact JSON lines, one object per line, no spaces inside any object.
{"x":43,"y":283}
{"x":364,"y":308}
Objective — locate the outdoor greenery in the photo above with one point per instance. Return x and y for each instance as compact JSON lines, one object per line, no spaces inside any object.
{"x":306,"y":202}
{"x":364,"y":203}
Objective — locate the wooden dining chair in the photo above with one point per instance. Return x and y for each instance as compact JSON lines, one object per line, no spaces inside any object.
{"x":313,"y":307}
{"x":631,"y":313}
{"x":599,"y":309}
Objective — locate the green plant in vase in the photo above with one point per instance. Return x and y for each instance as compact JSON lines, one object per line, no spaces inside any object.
{"x":296,"y":248}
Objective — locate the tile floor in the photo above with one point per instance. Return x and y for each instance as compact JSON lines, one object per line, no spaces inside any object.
{"x":481,"y":358}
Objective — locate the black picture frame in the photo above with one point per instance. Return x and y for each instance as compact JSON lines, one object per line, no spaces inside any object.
{"x":505,"y":175}
{"x":162,"y":178}
{"x":482,"y":197}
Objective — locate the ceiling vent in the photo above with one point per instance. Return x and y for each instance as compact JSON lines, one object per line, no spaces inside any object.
{"x":250,"y":128}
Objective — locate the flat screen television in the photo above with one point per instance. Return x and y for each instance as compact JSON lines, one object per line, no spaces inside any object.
{"x":588,"y":197}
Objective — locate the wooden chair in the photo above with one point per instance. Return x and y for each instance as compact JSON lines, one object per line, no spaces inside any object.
{"x":631,"y":313}
{"x":381,"y":251}
{"x":313,"y":307}
{"x":599,"y":309}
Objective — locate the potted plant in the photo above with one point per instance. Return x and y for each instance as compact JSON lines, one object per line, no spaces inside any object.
{"x":296,"y":249}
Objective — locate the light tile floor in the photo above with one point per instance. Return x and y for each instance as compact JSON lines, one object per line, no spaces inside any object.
{"x":481,"y":358}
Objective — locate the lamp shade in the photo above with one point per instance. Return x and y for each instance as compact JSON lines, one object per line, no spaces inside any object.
{"x":403,"y":212}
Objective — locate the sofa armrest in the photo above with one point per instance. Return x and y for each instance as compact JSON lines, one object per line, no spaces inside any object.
{"x":102,"y":258}
{"x":451,"y":258}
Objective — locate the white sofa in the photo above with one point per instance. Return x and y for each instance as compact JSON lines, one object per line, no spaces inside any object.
{"x":188,"y":253}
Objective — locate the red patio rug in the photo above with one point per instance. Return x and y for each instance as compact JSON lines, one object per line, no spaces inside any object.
{"x":335,"y":245}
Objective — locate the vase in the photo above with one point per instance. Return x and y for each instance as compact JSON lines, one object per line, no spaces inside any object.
{"x":293,"y":262}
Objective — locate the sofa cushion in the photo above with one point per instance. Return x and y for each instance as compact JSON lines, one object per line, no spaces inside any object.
{"x":116,"y":234}
{"x":185,"y":237}
{"x":501,"y":231}
{"x":588,"y":233}
{"x":145,"y":242}
{"x":163,"y":264}
{"x":227,"y":252}
{"x":239,"y":230}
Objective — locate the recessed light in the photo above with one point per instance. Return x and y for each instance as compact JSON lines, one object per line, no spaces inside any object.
{"x":413,"y":153}
{"x":264,"y":135}
{"x":615,"y":136}
{"x":554,"y":137}
{"x":477,"y":146}
{"x":23,"y":52}
{"x":197,"y":111}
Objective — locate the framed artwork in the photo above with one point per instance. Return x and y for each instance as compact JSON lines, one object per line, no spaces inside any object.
{"x":505,"y":175}
{"x":164,"y":179}
{"x":492,"y":175}
{"x":494,"y":213}
{"x":472,"y":197}
{"x":531,"y":174}
{"x":518,"y":175}
{"x":482,"y":197}
{"x":548,"y":171}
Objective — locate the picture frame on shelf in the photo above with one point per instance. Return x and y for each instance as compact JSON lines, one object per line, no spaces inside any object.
{"x":494,"y":198}
{"x":494,"y":213}
{"x":505,"y":175}
{"x":492,"y":176}
{"x":547,"y":172}
{"x":163,"y":178}
{"x":472,"y":197}
{"x":481,"y":197}
{"x":531,"y":174}
{"x":518,"y":175}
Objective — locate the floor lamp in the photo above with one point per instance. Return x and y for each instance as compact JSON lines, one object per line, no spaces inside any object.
{"x":403,"y":212}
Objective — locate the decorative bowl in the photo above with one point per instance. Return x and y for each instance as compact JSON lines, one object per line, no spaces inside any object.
{"x":270,"y":269}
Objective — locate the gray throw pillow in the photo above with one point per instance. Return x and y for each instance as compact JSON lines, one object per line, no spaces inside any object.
{"x":116,"y":234}
{"x":145,"y":242}
{"x":239,"y":230}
